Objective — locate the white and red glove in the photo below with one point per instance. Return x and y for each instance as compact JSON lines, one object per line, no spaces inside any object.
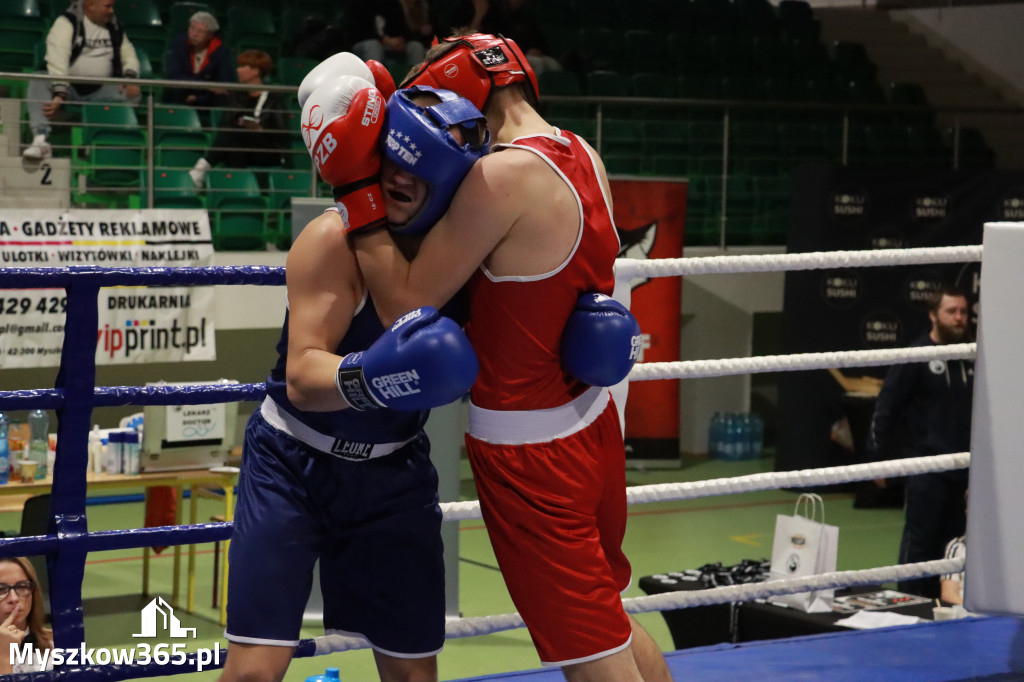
{"x":342,"y":120}
{"x":381,"y":78}
{"x":346,"y":64}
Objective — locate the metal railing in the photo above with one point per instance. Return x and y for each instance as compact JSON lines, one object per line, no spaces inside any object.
{"x":723,"y":148}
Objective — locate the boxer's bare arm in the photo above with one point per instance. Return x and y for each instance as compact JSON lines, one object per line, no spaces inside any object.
{"x":505,"y":201}
{"x":324,"y":289}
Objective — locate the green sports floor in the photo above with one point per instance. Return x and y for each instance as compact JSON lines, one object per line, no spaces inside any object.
{"x":660,"y":537}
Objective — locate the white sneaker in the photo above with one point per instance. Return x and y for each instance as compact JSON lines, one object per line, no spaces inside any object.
{"x":38,"y":150}
{"x":198,"y":172}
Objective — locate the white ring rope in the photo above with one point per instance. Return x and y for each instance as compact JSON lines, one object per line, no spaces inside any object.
{"x":803,"y":478}
{"x":628,"y":268}
{"x":666,"y":492}
{"x":689,"y":369}
{"x":485,"y":625}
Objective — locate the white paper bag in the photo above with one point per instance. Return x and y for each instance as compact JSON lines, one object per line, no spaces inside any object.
{"x":804,"y":545}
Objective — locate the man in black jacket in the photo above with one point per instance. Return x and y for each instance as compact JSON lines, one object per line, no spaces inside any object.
{"x":85,"y":40}
{"x":925,"y":409}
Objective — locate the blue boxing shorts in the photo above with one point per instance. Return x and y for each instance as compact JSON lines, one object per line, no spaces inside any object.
{"x":375,"y":526}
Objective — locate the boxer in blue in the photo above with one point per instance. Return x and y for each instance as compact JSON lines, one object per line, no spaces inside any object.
{"x":336,"y":464}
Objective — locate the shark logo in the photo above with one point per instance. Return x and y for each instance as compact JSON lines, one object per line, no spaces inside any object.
{"x":637,"y":243}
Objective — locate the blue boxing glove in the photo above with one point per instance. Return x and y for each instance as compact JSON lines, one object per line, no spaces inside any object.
{"x":424,"y":360}
{"x":601,"y":341}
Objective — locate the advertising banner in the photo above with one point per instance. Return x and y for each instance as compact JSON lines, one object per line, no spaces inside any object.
{"x":136,"y":324}
{"x":871,"y":308}
{"x":649,"y":215}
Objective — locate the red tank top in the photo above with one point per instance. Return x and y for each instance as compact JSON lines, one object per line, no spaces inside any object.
{"x":515,"y":323}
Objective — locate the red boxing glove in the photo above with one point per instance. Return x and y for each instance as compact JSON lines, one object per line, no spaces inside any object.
{"x":341,"y":125}
{"x":381,"y":78}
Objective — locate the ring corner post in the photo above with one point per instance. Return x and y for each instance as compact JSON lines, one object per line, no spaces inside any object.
{"x":76,"y":378}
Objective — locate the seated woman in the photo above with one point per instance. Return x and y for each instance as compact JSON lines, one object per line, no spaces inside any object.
{"x":251,"y":132}
{"x":21,"y":614}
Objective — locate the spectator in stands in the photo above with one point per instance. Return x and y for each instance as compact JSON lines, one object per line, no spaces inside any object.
{"x":513,"y":19}
{"x":198,"y":54}
{"x":252,"y":128}
{"x":382,"y":30}
{"x":21,"y":615}
{"x":85,"y":40}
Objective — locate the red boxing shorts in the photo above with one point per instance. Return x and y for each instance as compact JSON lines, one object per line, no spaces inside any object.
{"x":556,"y":515}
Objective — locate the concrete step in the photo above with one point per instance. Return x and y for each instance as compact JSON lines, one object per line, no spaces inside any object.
{"x":37,"y":184}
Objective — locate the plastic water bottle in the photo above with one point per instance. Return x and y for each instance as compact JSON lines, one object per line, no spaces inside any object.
{"x":131,"y":453}
{"x":39,"y":440}
{"x":714,"y":435}
{"x":331,"y":675}
{"x":742,"y":436}
{"x":5,"y":455}
{"x":757,"y":436}
{"x":726,"y":437}
{"x":115,"y":452}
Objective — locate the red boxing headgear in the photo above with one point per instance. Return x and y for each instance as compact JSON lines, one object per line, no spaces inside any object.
{"x":480,"y":61}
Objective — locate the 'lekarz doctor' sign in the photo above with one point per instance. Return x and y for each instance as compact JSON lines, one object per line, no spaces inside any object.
{"x":136,"y":324}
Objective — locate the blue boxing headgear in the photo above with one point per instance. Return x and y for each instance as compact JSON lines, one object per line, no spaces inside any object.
{"x":419,"y":142}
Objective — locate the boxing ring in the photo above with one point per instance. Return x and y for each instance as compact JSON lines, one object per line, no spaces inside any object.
{"x":68,"y":540}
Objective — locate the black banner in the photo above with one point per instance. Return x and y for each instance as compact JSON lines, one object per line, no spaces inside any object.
{"x":839,"y":209}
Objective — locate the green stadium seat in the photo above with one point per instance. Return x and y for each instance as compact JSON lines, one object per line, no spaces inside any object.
{"x":173,"y":188}
{"x":154,"y":47}
{"x":562,"y":38}
{"x":179,"y":122}
{"x":622,"y":136}
{"x":145,"y":64}
{"x":179,"y":139}
{"x":22,"y":15}
{"x":647,"y":51}
{"x":238,"y":209}
{"x":705,"y":136}
{"x":110,"y":120}
{"x":17,"y":49}
{"x":111,"y":155}
{"x":558,"y":83}
{"x":140,"y":18}
{"x":658,"y":86}
{"x":666,"y":139}
{"x":600,"y":49}
{"x":282,"y":187}
{"x":252,"y":27}
{"x":669,"y":166}
{"x":611,"y":84}
{"x":584,"y":127}
{"x":291,"y":70}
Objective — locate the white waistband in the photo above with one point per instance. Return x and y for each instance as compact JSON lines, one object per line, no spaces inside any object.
{"x":518,"y":427}
{"x":345,"y":449}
